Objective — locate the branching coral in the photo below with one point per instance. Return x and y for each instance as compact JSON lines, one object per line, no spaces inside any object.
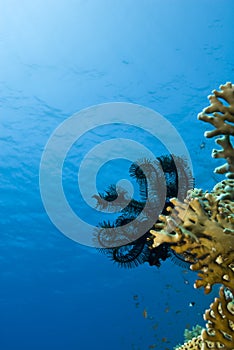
{"x":193,"y":344}
{"x":192,"y":339}
{"x":201,"y":228}
{"x":221,"y":116}
{"x":220,"y":322}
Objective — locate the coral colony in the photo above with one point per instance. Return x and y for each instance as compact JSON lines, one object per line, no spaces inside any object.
{"x":198,"y":231}
{"x":202,"y":227}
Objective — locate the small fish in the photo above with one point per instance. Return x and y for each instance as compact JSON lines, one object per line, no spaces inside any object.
{"x":152,"y":346}
{"x":135,"y":297}
{"x":167,"y":309}
{"x":192,"y":303}
{"x":202,"y":145}
{"x":164,"y":340}
{"x":145,"y":313}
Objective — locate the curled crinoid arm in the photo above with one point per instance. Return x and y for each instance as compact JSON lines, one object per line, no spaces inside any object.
{"x":220,"y":323}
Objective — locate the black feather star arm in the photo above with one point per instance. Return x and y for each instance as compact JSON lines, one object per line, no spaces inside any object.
{"x":130,"y":255}
{"x":149,"y":177}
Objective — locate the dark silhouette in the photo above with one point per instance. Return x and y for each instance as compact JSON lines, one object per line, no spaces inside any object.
{"x":149,"y":176}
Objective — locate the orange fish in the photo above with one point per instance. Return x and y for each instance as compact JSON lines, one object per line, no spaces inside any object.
{"x":145,"y":313}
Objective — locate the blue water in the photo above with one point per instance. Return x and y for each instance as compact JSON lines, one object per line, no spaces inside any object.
{"x":57,"y":58}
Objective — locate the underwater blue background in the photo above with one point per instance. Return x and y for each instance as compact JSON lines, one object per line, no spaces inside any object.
{"x":56,"y":58}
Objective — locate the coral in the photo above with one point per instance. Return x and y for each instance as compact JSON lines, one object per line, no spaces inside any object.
{"x":201,"y":229}
{"x":192,"y":339}
{"x":193,"y":344}
{"x":221,"y":116}
{"x":220,"y":323}
{"x":219,"y":332}
{"x":194,"y":332}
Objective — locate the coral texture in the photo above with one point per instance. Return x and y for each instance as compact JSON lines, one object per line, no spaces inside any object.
{"x":193,"y":344}
{"x":201,"y":228}
{"x":221,"y":116}
{"x":192,"y":339}
{"x":220,"y":323}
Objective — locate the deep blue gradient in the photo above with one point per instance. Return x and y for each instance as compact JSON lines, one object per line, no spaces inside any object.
{"x":56,"y":58}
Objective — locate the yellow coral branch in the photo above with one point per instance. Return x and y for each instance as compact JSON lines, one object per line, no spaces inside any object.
{"x":220,"y":323}
{"x":202,"y":229}
{"x":221,"y":116}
